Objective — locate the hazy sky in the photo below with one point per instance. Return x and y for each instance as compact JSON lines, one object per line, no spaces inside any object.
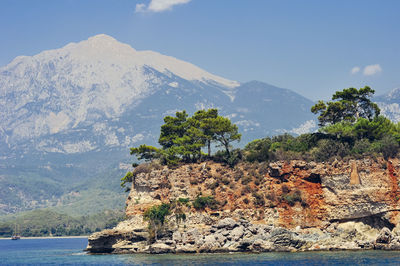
{"x":311,"y":47}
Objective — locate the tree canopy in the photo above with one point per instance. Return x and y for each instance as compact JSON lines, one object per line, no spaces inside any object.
{"x":182,"y":137}
{"x":347,"y":105}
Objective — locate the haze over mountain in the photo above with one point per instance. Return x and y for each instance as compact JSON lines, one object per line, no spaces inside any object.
{"x":389,"y":104}
{"x":70,"y":114}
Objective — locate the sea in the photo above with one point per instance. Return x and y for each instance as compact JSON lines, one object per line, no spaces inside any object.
{"x":69,"y":251}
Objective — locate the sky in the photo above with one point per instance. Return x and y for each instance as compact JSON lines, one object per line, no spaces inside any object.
{"x":311,"y":47}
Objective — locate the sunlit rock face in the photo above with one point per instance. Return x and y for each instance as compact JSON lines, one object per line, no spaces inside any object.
{"x":281,"y":206}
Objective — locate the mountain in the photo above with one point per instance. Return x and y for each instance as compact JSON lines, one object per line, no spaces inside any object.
{"x":69,"y":116}
{"x":389,"y":104}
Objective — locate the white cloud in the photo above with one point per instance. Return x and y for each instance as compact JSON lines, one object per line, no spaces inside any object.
{"x":372,"y":70}
{"x":159,"y":5}
{"x":140,"y":8}
{"x":355,"y":70}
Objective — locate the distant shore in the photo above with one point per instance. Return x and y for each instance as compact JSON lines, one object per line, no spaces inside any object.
{"x":44,"y":237}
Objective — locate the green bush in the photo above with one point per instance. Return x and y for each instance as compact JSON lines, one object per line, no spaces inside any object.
{"x":328,"y":148}
{"x":184,"y":201}
{"x":361,"y":146}
{"x":293,"y":197}
{"x":128,"y":178}
{"x":388,"y":146}
{"x":230,"y":159}
{"x":157,"y":214}
{"x":258,"y":150}
{"x":200,"y":203}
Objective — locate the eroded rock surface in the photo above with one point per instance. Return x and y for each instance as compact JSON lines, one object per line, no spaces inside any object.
{"x":282,"y":206}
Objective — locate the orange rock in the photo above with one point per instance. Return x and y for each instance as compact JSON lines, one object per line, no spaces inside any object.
{"x":354,"y":177}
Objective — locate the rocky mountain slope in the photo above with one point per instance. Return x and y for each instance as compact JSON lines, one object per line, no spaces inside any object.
{"x":71,"y":114}
{"x":263,"y":207}
{"x":389,"y":104}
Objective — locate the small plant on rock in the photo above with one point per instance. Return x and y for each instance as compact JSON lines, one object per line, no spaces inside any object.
{"x":156,"y":217}
{"x":200,"y":203}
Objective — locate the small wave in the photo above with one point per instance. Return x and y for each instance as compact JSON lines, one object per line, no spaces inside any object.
{"x":78,"y":254}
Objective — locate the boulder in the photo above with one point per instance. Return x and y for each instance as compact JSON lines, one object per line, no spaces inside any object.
{"x":283,"y":238}
{"x":236,"y":233}
{"x":160,"y":248}
{"x":227,"y":223}
{"x":384,"y":237}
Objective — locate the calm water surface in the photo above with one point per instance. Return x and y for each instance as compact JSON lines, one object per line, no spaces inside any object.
{"x":69,"y":252}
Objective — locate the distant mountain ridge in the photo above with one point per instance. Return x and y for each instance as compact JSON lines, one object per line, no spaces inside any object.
{"x":390,"y":104}
{"x":71,"y":113}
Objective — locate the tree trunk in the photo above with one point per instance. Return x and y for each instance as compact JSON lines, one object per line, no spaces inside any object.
{"x":227,"y":150}
{"x":209,"y":148}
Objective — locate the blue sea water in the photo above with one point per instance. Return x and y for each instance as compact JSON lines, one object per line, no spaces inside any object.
{"x":66,"y":251}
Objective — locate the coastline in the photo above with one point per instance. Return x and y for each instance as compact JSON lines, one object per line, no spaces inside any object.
{"x":45,"y":237}
{"x":283,"y":206}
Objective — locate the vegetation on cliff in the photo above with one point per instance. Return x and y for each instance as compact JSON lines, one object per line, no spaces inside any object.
{"x":350,"y":127}
{"x":183,"y":137}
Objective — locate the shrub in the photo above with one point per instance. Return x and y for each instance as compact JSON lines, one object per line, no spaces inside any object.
{"x":271,"y":196}
{"x":128,"y":178}
{"x":263,"y":169}
{"x":213,"y":185}
{"x":200,"y":203}
{"x":285,"y":189}
{"x":142,"y":168}
{"x":156,"y":216}
{"x":258,"y":150}
{"x":225,"y":181}
{"x":293,"y":197}
{"x":183,"y":201}
{"x":180,"y":217}
{"x":258,"y":199}
{"x":237,"y":174}
{"x":361,"y":146}
{"x":388,"y":146}
{"x":246,"y":180}
{"x":230,"y":159}
{"x":246,"y":190}
{"x":328,"y":148}
{"x":224,"y":202}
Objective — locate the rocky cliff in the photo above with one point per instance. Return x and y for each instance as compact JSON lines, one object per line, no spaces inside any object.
{"x":281,"y":206}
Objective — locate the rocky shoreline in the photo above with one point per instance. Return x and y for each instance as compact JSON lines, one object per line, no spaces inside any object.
{"x":228,"y":235}
{"x":343,"y":206}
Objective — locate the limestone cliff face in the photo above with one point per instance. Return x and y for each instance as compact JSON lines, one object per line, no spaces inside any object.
{"x":278,"y":206}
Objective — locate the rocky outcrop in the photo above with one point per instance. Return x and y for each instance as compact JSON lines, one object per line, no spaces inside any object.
{"x":282,"y":206}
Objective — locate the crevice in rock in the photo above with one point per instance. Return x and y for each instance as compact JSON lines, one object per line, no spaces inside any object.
{"x":377,"y":221}
{"x":330,"y":189}
{"x":314,"y":178}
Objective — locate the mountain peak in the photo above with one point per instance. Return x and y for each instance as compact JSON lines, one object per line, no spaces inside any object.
{"x":104,"y":40}
{"x":394,"y":94}
{"x":101,"y":44}
{"x":102,"y":37}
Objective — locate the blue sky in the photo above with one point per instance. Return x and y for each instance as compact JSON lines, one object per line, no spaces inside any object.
{"x":310,"y":47}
